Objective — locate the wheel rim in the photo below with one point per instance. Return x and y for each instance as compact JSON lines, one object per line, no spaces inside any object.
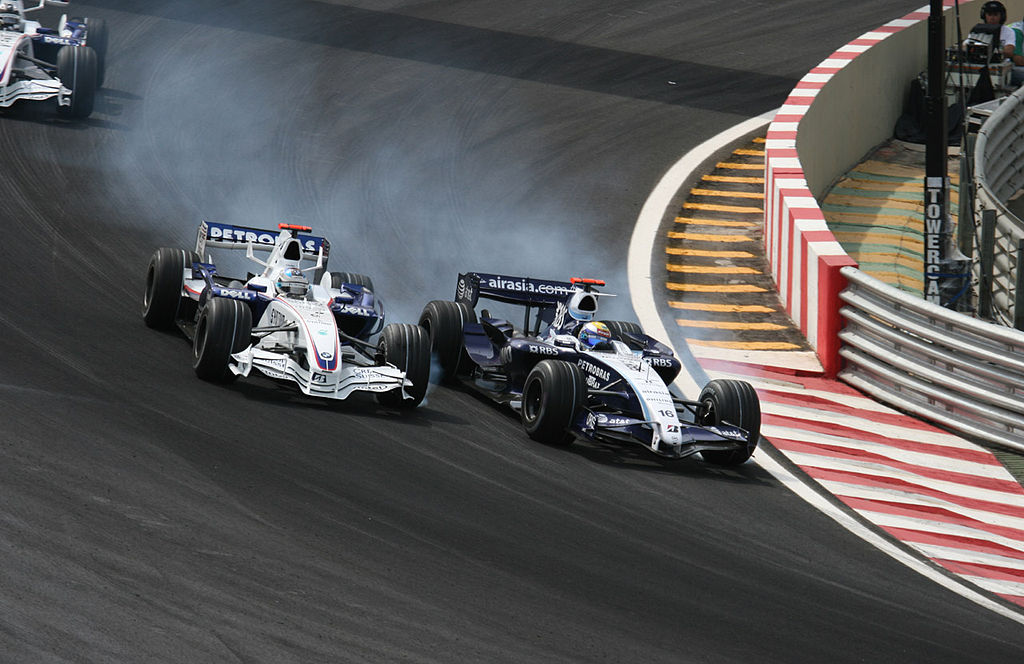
{"x":710,"y":417}
{"x":531,"y":401}
{"x":150,"y":287}
{"x":200,"y":345}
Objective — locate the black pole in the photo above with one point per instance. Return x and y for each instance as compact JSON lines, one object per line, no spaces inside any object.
{"x":935,"y":157}
{"x":935,"y":182}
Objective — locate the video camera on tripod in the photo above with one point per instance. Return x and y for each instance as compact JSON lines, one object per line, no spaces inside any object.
{"x":983,"y":45}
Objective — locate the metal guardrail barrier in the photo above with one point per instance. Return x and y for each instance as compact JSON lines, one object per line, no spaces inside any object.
{"x":998,"y":175}
{"x":960,"y":372}
{"x":963,"y":373}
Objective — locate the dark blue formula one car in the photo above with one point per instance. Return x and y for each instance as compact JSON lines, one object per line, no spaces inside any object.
{"x":568,"y":374}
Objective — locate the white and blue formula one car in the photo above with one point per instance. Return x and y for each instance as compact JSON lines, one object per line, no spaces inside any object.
{"x":317,"y":335}
{"x":66,"y":63}
{"x":569,"y":375}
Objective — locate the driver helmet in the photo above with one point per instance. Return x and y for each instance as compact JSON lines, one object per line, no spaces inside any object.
{"x":10,"y":18}
{"x":994,"y":7}
{"x":593,"y":333}
{"x":292,"y":282}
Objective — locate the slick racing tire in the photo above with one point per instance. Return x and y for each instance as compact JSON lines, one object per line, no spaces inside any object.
{"x":407,"y":347}
{"x":339,"y":278}
{"x":552,"y":395}
{"x":444,"y":321}
{"x":96,"y":37}
{"x":163,"y":302}
{"x":730,"y":402}
{"x":76,"y":69}
{"x":224,"y":327}
{"x":620,"y":327}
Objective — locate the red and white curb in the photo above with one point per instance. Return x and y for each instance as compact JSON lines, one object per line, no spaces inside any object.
{"x":946,"y":498}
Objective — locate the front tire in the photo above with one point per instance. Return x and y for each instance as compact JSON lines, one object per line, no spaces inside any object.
{"x":165,"y":280}
{"x":96,"y":37}
{"x":444,"y":321}
{"x":76,"y":69}
{"x":620,"y":327}
{"x":408,"y":348}
{"x":553,"y":392}
{"x":224,"y":327}
{"x":731,"y":402}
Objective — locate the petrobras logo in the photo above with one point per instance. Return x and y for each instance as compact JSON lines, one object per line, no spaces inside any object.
{"x":227,"y":233}
{"x":232,"y":234}
{"x":541,"y":349}
{"x":594,"y":370}
{"x":523,"y":285}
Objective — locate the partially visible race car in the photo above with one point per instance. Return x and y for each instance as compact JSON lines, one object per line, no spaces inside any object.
{"x":74,"y":31}
{"x":612,"y":385}
{"x":317,"y":335}
{"x":37,"y":63}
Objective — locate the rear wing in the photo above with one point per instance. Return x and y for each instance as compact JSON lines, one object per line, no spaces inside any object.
{"x":229,"y":236}
{"x":513,"y":290}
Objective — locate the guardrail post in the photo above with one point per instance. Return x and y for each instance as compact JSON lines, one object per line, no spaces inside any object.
{"x":1018,"y":293}
{"x":986,"y":253}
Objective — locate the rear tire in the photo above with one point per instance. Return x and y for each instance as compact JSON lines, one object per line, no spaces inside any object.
{"x":553,"y":392}
{"x":224,"y":327}
{"x":76,"y":69}
{"x":339,"y":278}
{"x":163,"y":300}
{"x":96,"y":37}
{"x":444,"y":321}
{"x":407,"y":347}
{"x":731,"y":402}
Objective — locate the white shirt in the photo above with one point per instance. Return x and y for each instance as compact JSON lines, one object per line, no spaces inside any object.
{"x":1006,"y":36}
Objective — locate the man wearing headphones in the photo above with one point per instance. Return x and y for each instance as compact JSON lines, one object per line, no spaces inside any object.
{"x":994,"y":13}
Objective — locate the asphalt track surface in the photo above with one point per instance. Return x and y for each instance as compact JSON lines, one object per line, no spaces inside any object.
{"x":150,"y":517}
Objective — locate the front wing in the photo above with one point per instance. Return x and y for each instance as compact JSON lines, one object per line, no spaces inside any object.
{"x":338,"y":384}
{"x":34,"y":90}
{"x":620,"y":428}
